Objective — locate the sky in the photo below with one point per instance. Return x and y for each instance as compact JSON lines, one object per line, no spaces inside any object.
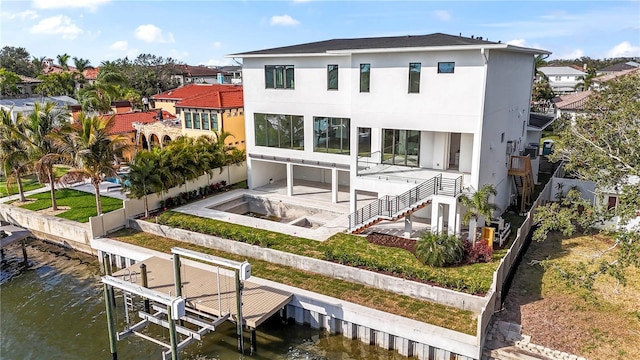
{"x":203,"y":32}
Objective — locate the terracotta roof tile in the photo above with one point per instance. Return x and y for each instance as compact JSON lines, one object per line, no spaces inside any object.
{"x":572,"y":101}
{"x":607,"y":77}
{"x":190,"y":90}
{"x":231,"y":97}
{"x":91,"y":74}
{"x":122,"y":122}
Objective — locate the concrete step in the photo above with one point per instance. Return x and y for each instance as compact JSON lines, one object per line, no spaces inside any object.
{"x":514,"y":353}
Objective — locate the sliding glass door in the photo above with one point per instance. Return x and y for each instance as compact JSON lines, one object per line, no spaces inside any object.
{"x":401,"y":147}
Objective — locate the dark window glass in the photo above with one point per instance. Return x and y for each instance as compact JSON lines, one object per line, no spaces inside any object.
{"x":414,"y":77}
{"x":187,"y":120}
{"x":205,"y":121}
{"x":196,"y":120}
{"x":332,"y":77}
{"x":446,"y":67}
{"x":364,"y":141}
{"x":279,"y":76}
{"x":365,"y":77}
{"x":331,"y":135}
{"x":214,"y":122}
{"x":401,"y":147}
{"x":281,"y":131}
{"x":269,"y":73}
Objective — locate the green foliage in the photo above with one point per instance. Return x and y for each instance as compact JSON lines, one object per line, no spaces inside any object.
{"x":146,"y":74}
{"x":478,"y":204}
{"x":9,"y":83}
{"x":82,"y":204}
{"x":55,"y":84}
{"x":17,"y":60}
{"x":439,"y":249}
{"x":14,"y":150}
{"x":143,"y":178}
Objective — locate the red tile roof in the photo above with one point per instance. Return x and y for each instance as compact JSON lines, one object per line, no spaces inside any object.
{"x":91,"y":74}
{"x":122,"y":122}
{"x":190,"y":90}
{"x":215,"y":99}
{"x":572,"y":101}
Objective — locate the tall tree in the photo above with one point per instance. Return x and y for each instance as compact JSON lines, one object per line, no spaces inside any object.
{"x":40,"y":128}
{"x":9,"y":83}
{"x":94,"y":152}
{"x":38,"y":65}
{"x":14,"y":155}
{"x":478,"y":206}
{"x":63,"y":61}
{"x":97,"y":97}
{"x":143,"y":177}
{"x":586,"y":81}
{"x":17,"y":60}
{"x":601,"y":145}
{"x":56,"y":84}
{"x":81,"y":64}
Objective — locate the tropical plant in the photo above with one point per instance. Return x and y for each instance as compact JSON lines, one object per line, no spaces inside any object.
{"x":56,"y":84}
{"x":38,"y":65}
{"x":143,"y":177}
{"x":17,"y":60}
{"x":63,"y":61}
{"x":94,"y":151}
{"x":98,"y":97}
{"x":586,"y":81}
{"x":478,"y":206}
{"x":14,"y":156}
{"x":439,"y":249}
{"x":40,"y":129}
{"x":538,"y":62}
{"x":9,"y":82}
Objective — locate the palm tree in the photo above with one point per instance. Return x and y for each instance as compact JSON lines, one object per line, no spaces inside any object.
{"x":586,"y":81}
{"x":143,"y":177}
{"x":38,"y":65}
{"x":97,"y":97}
{"x":478,"y":206}
{"x":14,"y":155}
{"x":93,"y":150}
{"x":81,"y":64}
{"x":538,"y":62}
{"x":63,"y":60}
{"x":40,"y":129}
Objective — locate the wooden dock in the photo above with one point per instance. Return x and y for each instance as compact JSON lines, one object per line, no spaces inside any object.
{"x":15,"y":234}
{"x":200,"y":290}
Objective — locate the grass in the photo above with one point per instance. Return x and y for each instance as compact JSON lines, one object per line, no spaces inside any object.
{"x":425,"y":311}
{"x":82,"y":204}
{"x":599,"y":323}
{"x":29,"y":182}
{"x":349,"y":250}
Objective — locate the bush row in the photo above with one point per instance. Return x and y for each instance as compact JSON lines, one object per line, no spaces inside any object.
{"x":189,"y":196}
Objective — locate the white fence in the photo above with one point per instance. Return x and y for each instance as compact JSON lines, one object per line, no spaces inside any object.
{"x":115,"y":220}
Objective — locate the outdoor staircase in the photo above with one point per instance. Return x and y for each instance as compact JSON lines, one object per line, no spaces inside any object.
{"x":520,"y":169}
{"x":392,"y":208}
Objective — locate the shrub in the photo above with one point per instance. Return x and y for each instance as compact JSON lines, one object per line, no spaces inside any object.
{"x":479,"y":252}
{"x":439,"y":249}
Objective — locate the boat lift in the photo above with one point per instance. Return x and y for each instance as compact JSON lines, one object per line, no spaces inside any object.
{"x":172,"y":311}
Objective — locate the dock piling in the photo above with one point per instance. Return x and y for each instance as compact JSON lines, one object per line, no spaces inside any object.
{"x":145,"y":283}
{"x":108,"y":291}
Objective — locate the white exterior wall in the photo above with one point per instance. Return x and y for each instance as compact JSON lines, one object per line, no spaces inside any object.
{"x":506,"y":107}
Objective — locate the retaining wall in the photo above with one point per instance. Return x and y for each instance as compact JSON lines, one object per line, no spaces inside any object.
{"x":322,"y":267}
{"x":61,"y":231}
{"x":408,"y":337}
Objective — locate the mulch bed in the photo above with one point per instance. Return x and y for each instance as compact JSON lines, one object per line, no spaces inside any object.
{"x":392,"y":241}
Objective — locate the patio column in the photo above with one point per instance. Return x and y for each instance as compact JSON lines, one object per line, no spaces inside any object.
{"x":408,"y":224}
{"x":458,"y":220}
{"x":451,"y":222}
{"x":289,"y":179}
{"x":435,"y":215}
{"x":334,"y":185}
{"x":353,"y":199}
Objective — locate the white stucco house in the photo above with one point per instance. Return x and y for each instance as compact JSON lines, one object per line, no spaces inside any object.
{"x":562,"y":79}
{"x":414,"y":119}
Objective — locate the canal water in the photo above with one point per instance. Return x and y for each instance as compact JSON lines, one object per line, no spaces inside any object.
{"x":54,"y":309}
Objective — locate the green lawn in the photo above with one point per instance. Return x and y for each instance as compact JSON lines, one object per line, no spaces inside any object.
{"x":425,"y":311}
{"x":82,"y":205}
{"x":29,"y":182}
{"x":349,"y":250}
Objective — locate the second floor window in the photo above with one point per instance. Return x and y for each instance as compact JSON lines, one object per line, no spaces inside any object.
{"x":196,"y":120}
{"x":558,"y":78}
{"x":279,"y":77}
{"x":414,"y":77}
{"x":187,"y":120}
{"x":332,"y":77}
{"x":205,"y":121}
{"x":365,"y":77}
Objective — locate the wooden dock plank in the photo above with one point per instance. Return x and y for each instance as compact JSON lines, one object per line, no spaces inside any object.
{"x":200,"y":289}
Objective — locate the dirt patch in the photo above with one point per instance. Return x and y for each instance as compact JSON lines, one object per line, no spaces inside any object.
{"x":393,"y":241}
{"x":50,"y":211}
{"x":20,"y":203}
{"x":598,"y":323}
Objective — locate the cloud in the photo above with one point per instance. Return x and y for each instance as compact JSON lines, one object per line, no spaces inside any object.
{"x":23,"y":15}
{"x":283,"y":20}
{"x":56,"y":25}
{"x":91,"y":5}
{"x":517,"y":42}
{"x":153,"y":34}
{"x":218,"y":62}
{"x":217,"y":45}
{"x":120,"y":45}
{"x":178,"y":55}
{"x":624,"y":49}
{"x":574,"y":54}
{"x":442,"y":15}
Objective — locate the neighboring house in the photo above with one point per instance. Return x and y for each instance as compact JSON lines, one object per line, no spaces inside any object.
{"x":537,"y":123}
{"x":91,"y":75}
{"x":26,"y":105}
{"x":218,"y":110}
{"x":619,"y":67}
{"x":196,"y":75}
{"x":610,"y":199}
{"x":28,"y":85}
{"x":598,"y":81}
{"x":206,"y":108}
{"x":570,"y":104}
{"x":389,"y":115}
{"x":232,"y":74}
{"x":562,"y":79}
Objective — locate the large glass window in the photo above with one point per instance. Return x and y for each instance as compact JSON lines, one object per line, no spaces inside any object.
{"x":187,"y":120}
{"x":414,"y":77}
{"x":332,"y":77}
{"x":365,"y":77}
{"x":205,"y":121}
{"x":364,"y":141}
{"x":196,"y":121}
{"x":331,"y":135}
{"x":279,"y":76}
{"x":281,"y":131}
{"x":401,"y":147}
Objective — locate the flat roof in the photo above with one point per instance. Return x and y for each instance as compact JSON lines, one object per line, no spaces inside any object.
{"x":436,"y":41}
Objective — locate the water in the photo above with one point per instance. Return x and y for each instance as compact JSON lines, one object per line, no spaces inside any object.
{"x":54,"y":309}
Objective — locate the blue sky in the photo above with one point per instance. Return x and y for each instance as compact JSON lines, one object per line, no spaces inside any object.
{"x":202,"y":32}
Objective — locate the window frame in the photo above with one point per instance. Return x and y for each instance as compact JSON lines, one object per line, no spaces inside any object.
{"x":332,"y":126}
{"x":208,"y":124}
{"x":330,"y":69}
{"x":279,"y":77}
{"x":413,"y":80}
{"x":446,"y":70}
{"x":188,"y":124}
{"x":367,"y":88}
{"x":197,"y":124}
